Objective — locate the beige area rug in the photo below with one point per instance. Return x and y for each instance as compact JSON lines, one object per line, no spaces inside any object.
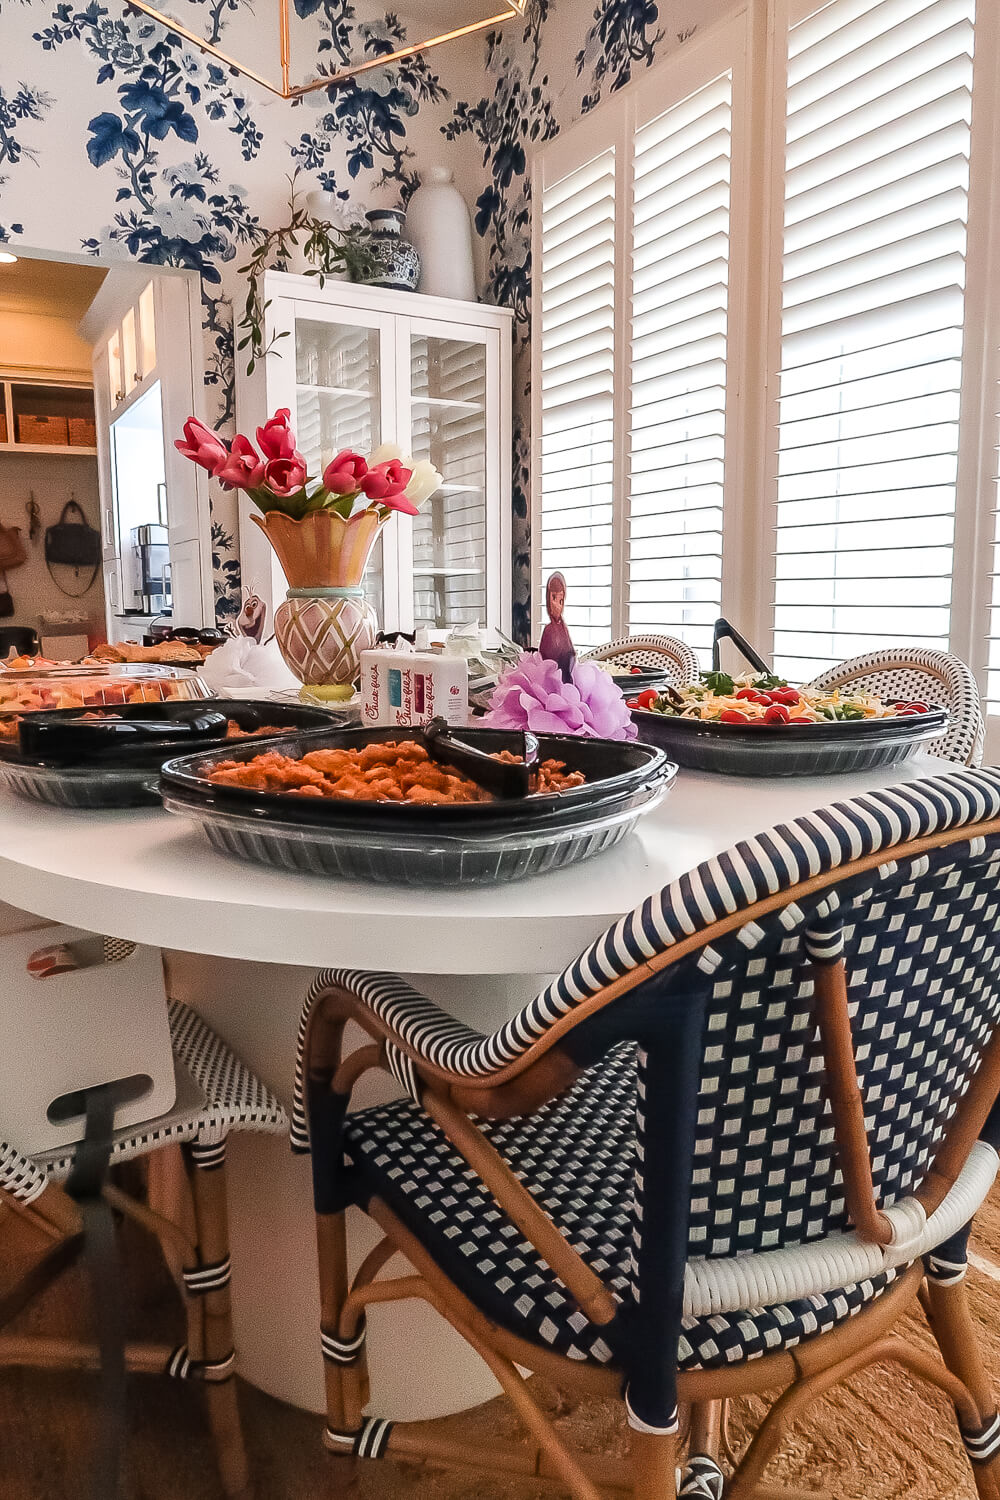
{"x":882,"y":1437}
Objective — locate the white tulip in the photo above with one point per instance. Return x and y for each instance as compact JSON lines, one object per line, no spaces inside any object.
{"x":424,"y":480}
{"x":383,"y":454}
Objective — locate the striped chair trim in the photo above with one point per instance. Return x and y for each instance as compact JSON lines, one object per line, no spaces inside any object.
{"x":19,"y":1176}
{"x":180,"y":1366}
{"x":764,"y":866}
{"x":914,"y":672}
{"x":702,"y":1479}
{"x":338,"y":1351}
{"x":983,"y":1445}
{"x":369,"y":1441}
{"x":199,"y":1280}
{"x":651,"y":651}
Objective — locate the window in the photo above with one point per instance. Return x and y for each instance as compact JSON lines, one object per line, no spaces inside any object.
{"x":793,"y":420}
{"x":878,"y":138}
{"x":677,"y":366}
{"x":630,"y":357}
{"x":577,"y":391}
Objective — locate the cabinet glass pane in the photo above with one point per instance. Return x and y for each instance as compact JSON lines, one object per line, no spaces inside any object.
{"x":130,"y":351}
{"x":448,"y":395}
{"x":147,"y":332}
{"x":339,"y":402}
{"x":116,"y":384}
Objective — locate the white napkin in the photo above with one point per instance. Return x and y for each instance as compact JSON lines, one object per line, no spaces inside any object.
{"x":243,"y":669}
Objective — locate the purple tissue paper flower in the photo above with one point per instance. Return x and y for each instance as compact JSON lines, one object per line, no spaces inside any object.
{"x":534,"y":696}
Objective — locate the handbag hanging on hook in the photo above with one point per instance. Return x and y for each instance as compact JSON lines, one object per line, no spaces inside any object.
{"x":73,"y":544}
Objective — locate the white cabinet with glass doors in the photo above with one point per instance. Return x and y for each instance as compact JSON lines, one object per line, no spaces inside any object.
{"x":359,"y":366}
{"x":155,"y":521}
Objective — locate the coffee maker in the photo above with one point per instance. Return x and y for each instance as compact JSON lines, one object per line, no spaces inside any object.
{"x":152,"y":557}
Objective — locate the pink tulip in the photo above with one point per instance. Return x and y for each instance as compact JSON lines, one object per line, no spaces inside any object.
{"x":201,"y":445}
{"x":400,"y":502}
{"x":243,"y":468}
{"x":343,"y":474}
{"x":276,"y":438}
{"x":284,"y":476}
{"x":386,"y":481}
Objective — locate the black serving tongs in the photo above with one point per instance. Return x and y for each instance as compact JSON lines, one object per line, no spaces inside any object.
{"x":505,"y":779}
{"x":74,"y":736}
{"x":724,"y":631}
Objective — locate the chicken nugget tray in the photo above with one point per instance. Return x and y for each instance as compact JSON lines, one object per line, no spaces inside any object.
{"x":107,"y":757}
{"x":481,"y":843}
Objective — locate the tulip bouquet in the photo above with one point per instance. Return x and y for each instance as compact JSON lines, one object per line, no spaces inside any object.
{"x":273,"y":474}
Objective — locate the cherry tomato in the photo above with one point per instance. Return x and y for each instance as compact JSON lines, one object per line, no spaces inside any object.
{"x":920,"y":708}
{"x":907,"y":712}
{"x":786,"y":695}
{"x":751,"y":695}
{"x":636,"y":671}
{"x":800,"y":719}
{"x":776,"y":714}
{"x":631,"y":703}
{"x":648,"y":697}
{"x":732,"y":716}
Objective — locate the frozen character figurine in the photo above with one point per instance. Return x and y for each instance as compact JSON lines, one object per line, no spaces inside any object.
{"x":251,"y":618}
{"x":555,"y":644}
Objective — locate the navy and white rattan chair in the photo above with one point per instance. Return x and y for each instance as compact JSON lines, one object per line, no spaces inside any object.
{"x":216,"y":1094}
{"x":664,"y":652}
{"x":707,"y":1160}
{"x":915,"y":673}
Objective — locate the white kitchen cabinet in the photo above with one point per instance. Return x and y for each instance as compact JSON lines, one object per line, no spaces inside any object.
{"x":146,"y":385}
{"x":358,"y":366}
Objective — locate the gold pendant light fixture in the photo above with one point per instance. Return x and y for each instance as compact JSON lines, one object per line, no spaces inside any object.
{"x":471,"y":15}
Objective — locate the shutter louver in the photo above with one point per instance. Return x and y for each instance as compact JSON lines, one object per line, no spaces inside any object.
{"x":577,"y":397}
{"x":878,"y":138}
{"x":680,"y":295}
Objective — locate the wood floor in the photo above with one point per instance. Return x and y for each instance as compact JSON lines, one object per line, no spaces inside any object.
{"x":881,"y":1438}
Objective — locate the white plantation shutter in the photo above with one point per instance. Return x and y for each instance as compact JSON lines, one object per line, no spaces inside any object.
{"x":680,"y":297}
{"x":878,"y":139}
{"x":577,"y":394}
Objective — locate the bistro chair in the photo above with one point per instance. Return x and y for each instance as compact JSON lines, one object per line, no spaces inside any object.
{"x":660,"y":651}
{"x":215,"y":1094}
{"x":705,"y":1161}
{"x":914,"y":673}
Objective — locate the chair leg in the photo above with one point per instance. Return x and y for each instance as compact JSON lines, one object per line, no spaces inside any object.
{"x":703,"y":1478}
{"x":654,"y":1465}
{"x":950,"y":1319}
{"x":209,"y":1281}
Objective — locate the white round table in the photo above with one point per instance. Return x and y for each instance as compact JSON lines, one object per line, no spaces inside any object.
{"x":481,"y":952}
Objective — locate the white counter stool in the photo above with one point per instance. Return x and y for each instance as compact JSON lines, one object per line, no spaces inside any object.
{"x":917,"y":674}
{"x":705,"y":1161}
{"x":664,"y":652}
{"x":215,"y":1095}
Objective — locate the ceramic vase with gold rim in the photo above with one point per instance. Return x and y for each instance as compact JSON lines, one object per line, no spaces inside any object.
{"x":326,"y":621}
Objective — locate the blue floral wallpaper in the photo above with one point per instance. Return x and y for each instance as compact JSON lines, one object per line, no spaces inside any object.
{"x":541,"y":77}
{"x":120,"y":139}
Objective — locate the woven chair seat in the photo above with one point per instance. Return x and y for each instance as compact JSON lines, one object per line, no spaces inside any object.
{"x":576,"y":1157}
{"x":216,"y":1093}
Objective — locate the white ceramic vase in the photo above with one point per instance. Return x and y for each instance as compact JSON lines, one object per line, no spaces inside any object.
{"x":438,"y":224}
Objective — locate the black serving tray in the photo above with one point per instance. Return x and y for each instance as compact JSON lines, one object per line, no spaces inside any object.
{"x":825,"y":749}
{"x":425,"y":843}
{"x":637,"y":682}
{"x":60,"y":759}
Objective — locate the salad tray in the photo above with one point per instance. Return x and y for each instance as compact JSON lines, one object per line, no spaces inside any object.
{"x":418,"y":844}
{"x":828,"y":748}
{"x":65,"y":759}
